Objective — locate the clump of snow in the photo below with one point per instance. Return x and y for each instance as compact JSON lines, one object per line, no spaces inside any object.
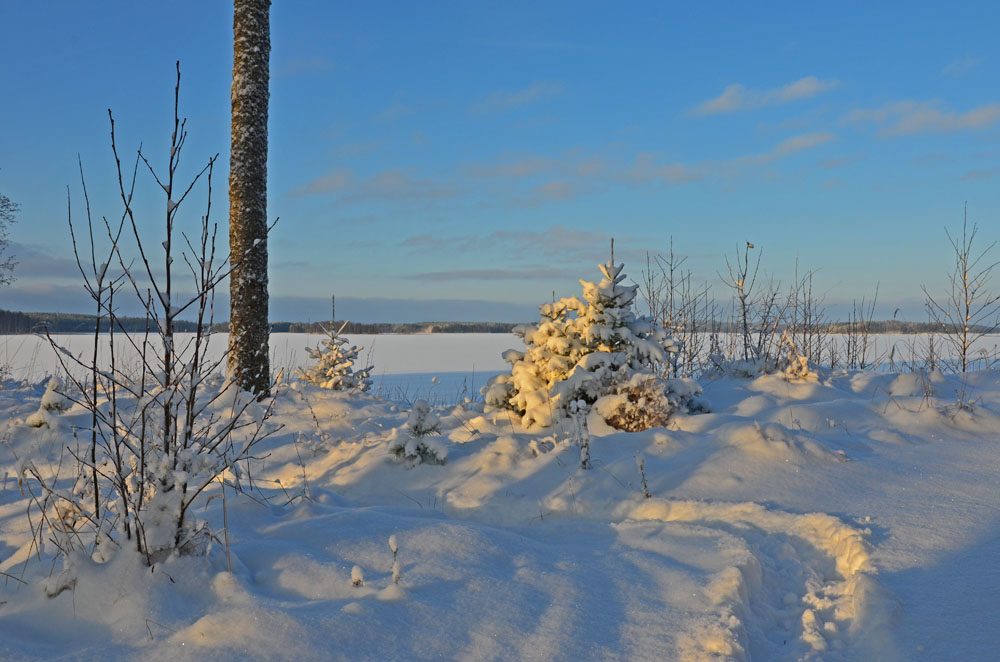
{"x":53,"y":403}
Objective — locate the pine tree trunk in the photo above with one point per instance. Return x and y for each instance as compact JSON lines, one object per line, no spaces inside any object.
{"x":248,"y":324}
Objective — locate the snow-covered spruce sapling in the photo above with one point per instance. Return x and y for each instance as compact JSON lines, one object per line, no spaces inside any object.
{"x":334,"y":368}
{"x":416,"y":444}
{"x":357,"y":576}
{"x":587,"y":350}
{"x":396,"y":570}
{"x":579,"y":434}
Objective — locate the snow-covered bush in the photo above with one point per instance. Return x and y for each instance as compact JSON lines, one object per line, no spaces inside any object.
{"x":788,"y":362}
{"x":648,"y":401}
{"x":335,"y":365}
{"x":584,"y":350}
{"x":53,"y":402}
{"x":416,"y":443}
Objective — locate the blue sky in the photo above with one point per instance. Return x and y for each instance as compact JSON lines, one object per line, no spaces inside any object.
{"x":465,"y":160}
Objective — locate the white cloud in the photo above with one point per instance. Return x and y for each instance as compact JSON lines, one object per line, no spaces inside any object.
{"x":737,"y":97}
{"x":909,"y":117}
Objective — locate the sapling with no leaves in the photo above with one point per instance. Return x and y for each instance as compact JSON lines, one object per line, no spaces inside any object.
{"x":164,"y":432}
{"x":396,"y":570}
{"x":640,"y":463}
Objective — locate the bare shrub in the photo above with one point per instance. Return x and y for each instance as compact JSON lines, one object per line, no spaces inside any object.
{"x":681,"y":307}
{"x":859,"y":350}
{"x":161,"y":433}
{"x":970,"y":310}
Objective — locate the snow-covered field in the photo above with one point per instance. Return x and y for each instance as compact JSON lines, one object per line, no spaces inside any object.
{"x":851,"y":517}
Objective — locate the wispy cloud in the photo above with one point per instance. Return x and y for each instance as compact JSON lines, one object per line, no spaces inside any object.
{"x":574,"y":163}
{"x":37,"y":261}
{"x":736,"y":97}
{"x":961,"y":66}
{"x":433,"y":243}
{"x":979,"y":174}
{"x":395,"y":111}
{"x":334,"y":181}
{"x":557,"y":241}
{"x":391,"y":184}
{"x":515,"y":167}
{"x":503,"y":99}
{"x":397,"y":184}
{"x":495,"y":274}
{"x":647,"y":170}
{"x":786,"y":147}
{"x":556,"y":190}
{"x":556,"y":252}
{"x":909,"y":117}
{"x":841,"y":161}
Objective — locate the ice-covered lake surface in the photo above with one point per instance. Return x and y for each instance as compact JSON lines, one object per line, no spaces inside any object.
{"x":443,"y":368}
{"x":436,"y":367}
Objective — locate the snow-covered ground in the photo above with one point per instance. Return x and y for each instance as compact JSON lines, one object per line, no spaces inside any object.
{"x":852,"y":517}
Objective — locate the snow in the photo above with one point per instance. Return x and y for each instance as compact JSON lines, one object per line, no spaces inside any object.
{"x":853,"y":516}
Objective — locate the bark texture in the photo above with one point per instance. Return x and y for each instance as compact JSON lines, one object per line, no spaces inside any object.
{"x":248,"y":322}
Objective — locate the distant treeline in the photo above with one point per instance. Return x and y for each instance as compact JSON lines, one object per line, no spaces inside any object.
{"x":14,"y":322}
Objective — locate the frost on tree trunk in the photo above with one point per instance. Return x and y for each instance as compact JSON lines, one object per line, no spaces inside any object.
{"x":248,"y":327}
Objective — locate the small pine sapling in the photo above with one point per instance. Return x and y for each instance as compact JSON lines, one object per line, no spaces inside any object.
{"x":335,"y":365}
{"x":357,"y":576}
{"x":416,"y":445}
{"x":422,"y":421}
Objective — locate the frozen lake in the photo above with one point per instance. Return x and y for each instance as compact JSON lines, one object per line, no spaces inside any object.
{"x":442,"y":367}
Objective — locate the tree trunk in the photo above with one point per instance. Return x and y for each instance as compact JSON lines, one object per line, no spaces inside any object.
{"x":248,"y":324}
